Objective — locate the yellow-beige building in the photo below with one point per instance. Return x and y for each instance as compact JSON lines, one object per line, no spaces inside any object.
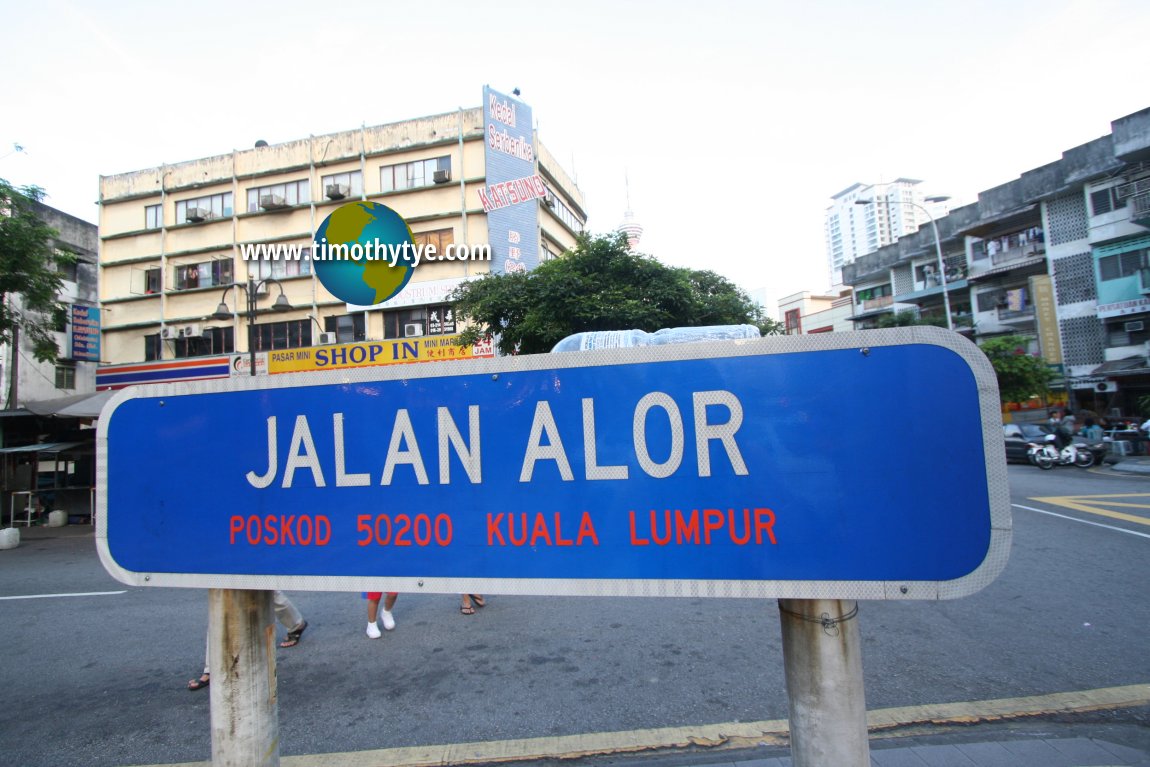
{"x":171,"y":238}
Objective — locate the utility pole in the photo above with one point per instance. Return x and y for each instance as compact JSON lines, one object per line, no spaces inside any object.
{"x":14,"y":370}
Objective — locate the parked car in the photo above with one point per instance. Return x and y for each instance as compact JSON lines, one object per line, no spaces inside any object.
{"x":1018,"y":435}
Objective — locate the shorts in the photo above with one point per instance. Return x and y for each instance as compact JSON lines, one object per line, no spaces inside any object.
{"x":379,"y":594}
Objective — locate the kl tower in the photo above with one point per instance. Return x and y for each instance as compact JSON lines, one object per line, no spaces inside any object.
{"x":630,"y":227}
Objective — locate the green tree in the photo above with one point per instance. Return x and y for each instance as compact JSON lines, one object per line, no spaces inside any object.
{"x":907,"y":317}
{"x":1020,"y":376}
{"x":599,"y":285}
{"x":29,"y":280}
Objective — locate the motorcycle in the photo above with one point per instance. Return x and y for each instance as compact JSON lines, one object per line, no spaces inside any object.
{"x":1045,"y":455}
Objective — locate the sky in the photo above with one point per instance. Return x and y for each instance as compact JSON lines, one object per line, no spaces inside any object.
{"x":732,"y":123}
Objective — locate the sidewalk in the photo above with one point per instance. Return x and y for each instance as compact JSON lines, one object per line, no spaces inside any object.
{"x":1022,"y":743}
{"x":43,"y":532}
{"x":1008,"y":752}
{"x":1133,"y":465}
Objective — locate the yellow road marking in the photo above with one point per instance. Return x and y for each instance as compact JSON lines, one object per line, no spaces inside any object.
{"x":1091,"y":504}
{"x":718,"y":736}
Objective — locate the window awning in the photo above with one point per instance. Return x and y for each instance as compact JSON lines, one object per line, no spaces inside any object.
{"x":1027,"y":215}
{"x":75,"y":406}
{"x":872,"y":313}
{"x":1128,"y":366}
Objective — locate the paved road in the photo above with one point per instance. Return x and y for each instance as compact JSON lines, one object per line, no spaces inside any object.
{"x":99,"y":680}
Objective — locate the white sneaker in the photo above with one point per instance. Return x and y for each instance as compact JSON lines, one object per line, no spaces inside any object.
{"x":373,"y":630}
{"x":388,"y":621}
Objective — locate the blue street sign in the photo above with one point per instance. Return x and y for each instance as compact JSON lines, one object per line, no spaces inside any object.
{"x":856,"y":465}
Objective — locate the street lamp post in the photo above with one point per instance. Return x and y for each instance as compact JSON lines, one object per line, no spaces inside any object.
{"x":251,"y":293}
{"x":937,"y":248}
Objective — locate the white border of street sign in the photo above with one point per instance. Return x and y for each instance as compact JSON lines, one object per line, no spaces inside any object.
{"x":995,"y":476}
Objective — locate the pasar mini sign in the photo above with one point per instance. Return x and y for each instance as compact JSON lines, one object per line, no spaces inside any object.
{"x":735,"y":468}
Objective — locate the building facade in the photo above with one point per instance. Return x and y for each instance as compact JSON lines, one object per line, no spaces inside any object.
{"x":172,"y":237}
{"x":1060,"y":256}
{"x":805,"y":313}
{"x":77,"y":330}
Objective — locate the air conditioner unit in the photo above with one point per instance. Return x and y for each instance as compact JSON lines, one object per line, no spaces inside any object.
{"x":196,"y":215}
{"x":1134,"y":326}
{"x":441,"y":176}
{"x":337,"y":191}
{"x":1106,"y":387}
{"x":272,"y":202}
{"x":190,"y":331}
{"x":169,"y":333}
{"x":327,"y":338}
{"x":412,"y":329}
{"x":549,"y":200}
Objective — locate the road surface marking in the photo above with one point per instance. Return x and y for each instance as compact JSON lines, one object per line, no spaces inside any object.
{"x":79,"y":594}
{"x":1093,"y":504}
{"x":1083,"y":521}
{"x":733,"y":735}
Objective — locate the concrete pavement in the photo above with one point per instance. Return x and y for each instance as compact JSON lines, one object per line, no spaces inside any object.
{"x":1074,"y":729}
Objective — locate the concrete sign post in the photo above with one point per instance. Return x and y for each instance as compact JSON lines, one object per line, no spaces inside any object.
{"x":822,"y":659}
{"x":840,"y":467}
{"x":245,"y":713}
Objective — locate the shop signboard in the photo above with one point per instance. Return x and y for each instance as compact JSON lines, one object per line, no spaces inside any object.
{"x":513,"y":187}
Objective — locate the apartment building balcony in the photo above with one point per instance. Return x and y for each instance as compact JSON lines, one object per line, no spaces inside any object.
{"x":1140,"y":209}
{"x":1013,"y":316}
{"x":1018,"y":253}
{"x":881,"y":302}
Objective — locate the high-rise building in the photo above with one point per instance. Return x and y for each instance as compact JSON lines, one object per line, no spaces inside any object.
{"x":854,"y":227}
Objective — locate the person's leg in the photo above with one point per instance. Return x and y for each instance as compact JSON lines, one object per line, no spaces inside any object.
{"x":373,"y":598}
{"x":465,"y":606}
{"x":388,"y":603}
{"x":289,"y":616}
{"x":286,"y":613}
{"x":205,"y":678}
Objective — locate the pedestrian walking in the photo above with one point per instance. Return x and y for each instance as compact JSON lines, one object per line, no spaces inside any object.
{"x":470,"y":602}
{"x":374,"y":613}
{"x":286,"y":613}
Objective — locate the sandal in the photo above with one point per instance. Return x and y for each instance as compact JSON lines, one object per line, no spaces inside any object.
{"x":467,"y":609}
{"x":294,"y":635}
{"x":478,"y":600}
{"x":201,"y":683}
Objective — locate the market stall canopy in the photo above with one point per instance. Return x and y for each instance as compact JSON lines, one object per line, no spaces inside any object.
{"x":43,"y":447}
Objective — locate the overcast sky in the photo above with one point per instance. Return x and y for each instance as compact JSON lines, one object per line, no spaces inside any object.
{"x":735,"y":121}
